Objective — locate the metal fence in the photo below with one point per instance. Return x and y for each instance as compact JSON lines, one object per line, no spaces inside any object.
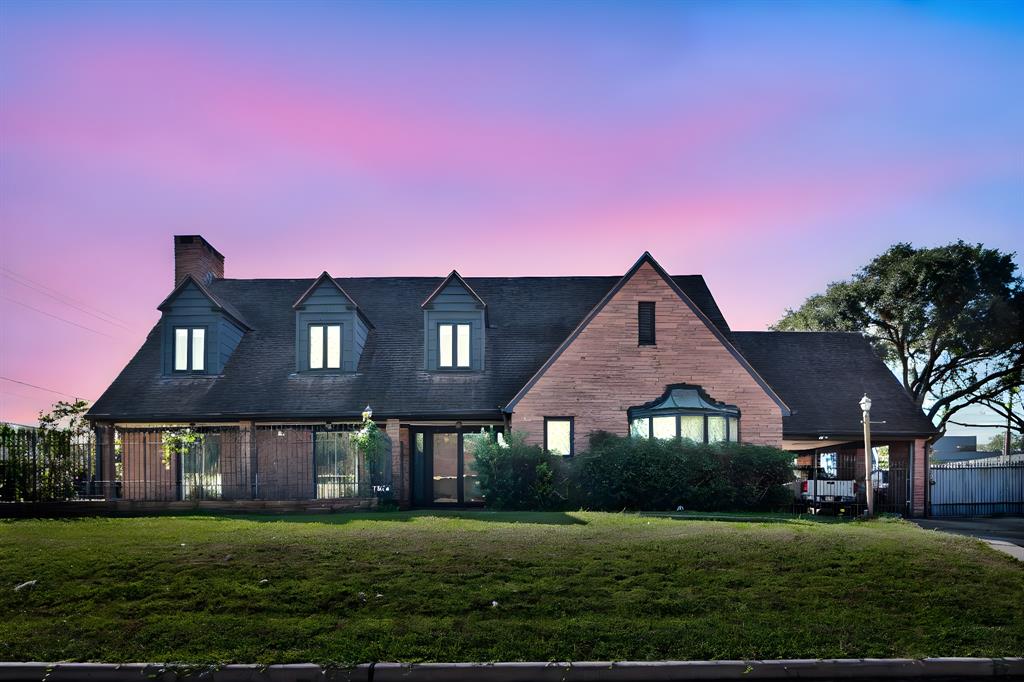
{"x":45,"y":466}
{"x":977,"y":489}
{"x":171,"y":464}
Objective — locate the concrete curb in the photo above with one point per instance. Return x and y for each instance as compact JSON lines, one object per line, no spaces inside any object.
{"x":591,"y":671}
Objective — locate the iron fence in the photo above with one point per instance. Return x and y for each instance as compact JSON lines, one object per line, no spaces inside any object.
{"x":207,"y":463}
{"x":977,"y":489}
{"x":47,"y":465}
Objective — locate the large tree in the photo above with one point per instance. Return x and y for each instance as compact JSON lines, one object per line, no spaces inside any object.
{"x":949,"y":320}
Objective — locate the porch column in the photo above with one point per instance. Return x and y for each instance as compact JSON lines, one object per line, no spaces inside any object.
{"x":247,"y":453}
{"x":105,"y":460}
{"x":394,"y":432}
{"x":921,"y":478}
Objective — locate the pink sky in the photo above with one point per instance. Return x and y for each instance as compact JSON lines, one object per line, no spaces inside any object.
{"x":771,"y":152}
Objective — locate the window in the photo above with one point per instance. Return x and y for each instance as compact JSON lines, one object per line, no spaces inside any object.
{"x":686,"y":412}
{"x":558,"y":435}
{"x":453,"y":346}
{"x":189,"y":349}
{"x":645,"y":323}
{"x":325,"y":346}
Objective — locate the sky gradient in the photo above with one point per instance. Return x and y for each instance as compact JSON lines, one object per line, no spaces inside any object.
{"x":771,"y":147}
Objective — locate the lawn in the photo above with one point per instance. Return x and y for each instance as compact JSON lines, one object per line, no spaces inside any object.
{"x":491,"y":586}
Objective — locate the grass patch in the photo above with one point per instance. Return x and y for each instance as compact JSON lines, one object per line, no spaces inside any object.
{"x":349,"y":588}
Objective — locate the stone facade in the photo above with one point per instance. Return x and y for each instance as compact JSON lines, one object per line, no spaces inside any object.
{"x":604,"y":371}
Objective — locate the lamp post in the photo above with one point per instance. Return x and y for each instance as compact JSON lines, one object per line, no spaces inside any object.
{"x":869,"y":492}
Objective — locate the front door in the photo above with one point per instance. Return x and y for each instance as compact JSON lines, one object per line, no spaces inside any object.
{"x":442,"y":471}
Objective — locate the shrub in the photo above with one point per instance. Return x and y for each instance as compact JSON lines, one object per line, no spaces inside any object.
{"x":625,"y":473}
{"x":519,"y":476}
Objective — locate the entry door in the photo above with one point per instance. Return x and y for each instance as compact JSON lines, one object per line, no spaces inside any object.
{"x":442,"y":472}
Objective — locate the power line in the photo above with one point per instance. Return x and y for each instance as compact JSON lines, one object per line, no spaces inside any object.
{"x":60,"y":298}
{"x":43,"y":388}
{"x":58,"y":317}
{"x":54,"y":293}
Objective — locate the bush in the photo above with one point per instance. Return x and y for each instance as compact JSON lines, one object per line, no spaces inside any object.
{"x":519,"y":476}
{"x":625,"y":473}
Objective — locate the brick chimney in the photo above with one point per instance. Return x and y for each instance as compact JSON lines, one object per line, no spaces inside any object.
{"x":194,"y":256}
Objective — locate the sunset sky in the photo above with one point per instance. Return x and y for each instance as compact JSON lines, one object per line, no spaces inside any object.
{"x":772,"y":147}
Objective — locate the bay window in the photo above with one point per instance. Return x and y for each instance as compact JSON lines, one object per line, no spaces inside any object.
{"x":686,"y":412}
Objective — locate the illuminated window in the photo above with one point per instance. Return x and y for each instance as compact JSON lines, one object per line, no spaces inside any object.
{"x":558,"y":435}
{"x":190,"y":349}
{"x":325,"y":346}
{"x":453,"y":346}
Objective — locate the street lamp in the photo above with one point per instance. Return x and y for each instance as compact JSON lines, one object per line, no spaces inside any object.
{"x":865,"y":408}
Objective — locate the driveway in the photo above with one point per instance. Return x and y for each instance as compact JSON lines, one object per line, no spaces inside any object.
{"x":1004,"y":533}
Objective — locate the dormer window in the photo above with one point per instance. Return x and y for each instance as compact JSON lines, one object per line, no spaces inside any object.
{"x":453,"y":341}
{"x":325,"y":346}
{"x":189,"y":349}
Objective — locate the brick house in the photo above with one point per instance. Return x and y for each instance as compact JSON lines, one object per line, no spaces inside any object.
{"x":270,"y":377}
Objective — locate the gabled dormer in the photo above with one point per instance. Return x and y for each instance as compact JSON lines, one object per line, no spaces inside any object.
{"x":454,"y":325}
{"x":330,"y":329}
{"x":198,"y":331}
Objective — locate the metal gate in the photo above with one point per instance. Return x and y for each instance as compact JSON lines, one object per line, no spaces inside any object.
{"x":977,"y":489}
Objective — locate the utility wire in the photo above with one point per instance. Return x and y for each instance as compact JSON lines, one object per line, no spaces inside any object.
{"x":57,"y":317}
{"x":42,"y":388}
{"x":63,"y":298}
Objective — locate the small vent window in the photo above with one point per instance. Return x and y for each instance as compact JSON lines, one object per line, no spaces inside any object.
{"x":645,"y":323}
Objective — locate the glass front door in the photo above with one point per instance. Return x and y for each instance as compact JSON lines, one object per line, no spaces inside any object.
{"x":442,"y":471}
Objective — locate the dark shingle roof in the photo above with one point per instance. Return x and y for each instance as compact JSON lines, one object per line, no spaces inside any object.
{"x":528,"y":317}
{"x":823,"y":375}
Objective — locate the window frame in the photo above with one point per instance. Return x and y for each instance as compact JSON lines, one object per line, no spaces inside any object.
{"x":455,"y":366}
{"x":190,"y":330}
{"x":323,"y":348}
{"x":640,"y":340}
{"x":728,"y":417}
{"x":572,"y":434}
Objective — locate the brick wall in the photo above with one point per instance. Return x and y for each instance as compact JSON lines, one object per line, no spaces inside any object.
{"x":922,"y":478}
{"x":194,"y":256}
{"x":604,"y":372}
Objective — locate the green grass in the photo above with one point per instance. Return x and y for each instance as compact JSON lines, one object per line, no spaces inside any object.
{"x":419,"y":586}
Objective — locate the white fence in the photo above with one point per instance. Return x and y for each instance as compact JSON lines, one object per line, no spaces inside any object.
{"x":977,"y":489}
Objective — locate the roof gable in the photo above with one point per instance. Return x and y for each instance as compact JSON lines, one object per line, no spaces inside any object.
{"x":325,"y":279}
{"x":648,"y":259}
{"x":215,"y":302}
{"x":453,"y":277}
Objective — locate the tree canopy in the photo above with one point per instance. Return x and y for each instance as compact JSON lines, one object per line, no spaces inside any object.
{"x":949,"y":320}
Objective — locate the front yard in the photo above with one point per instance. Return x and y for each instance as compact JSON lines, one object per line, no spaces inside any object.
{"x":493,"y":586}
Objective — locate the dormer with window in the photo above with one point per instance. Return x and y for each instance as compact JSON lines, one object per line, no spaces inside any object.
{"x":330,"y":329}
{"x":198,"y":331}
{"x":454,"y":323}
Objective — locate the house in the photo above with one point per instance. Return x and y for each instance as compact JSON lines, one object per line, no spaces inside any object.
{"x":252,"y":389}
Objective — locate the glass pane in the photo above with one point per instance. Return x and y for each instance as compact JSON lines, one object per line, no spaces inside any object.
{"x":716,"y":429}
{"x":180,"y":349}
{"x":664,"y":427}
{"x":734,"y":429}
{"x":692,"y":428}
{"x":470,"y":480}
{"x":640,"y":428}
{"x":446,"y":467}
{"x":316,"y":347}
{"x":444,"y":338}
{"x":199,"y":349}
{"x":501,"y":439}
{"x":200,"y":469}
{"x":559,"y":437}
{"x":334,"y":346}
{"x":462,"y":347}
{"x":337,"y":465}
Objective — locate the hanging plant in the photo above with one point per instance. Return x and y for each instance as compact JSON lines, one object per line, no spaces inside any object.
{"x":179,"y":442}
{"x":370,"y":440}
